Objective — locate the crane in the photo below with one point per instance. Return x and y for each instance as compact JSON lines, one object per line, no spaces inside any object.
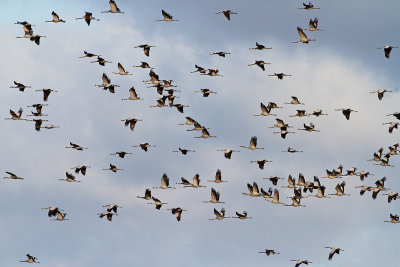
{"x":303,"y":37}
{"x":295,"y":101}
{"x":387,"y":49}
{"x":183,"y":151}
{"x":228,"y":152}
{"x":46,"y":93}
{"x":177,"y":212}
{"x":259,"y":47}
{"x":76,"y":147}
{"x":260,"y":162}
{"x":269,"y":252}
{"x":144,"y":146}
{"x":131,"y":122}
{"x":88,"y":54}
{"x":214,"y":197}
{"x":56,"y":18}
{"x":300,"y":261}
{"x":88,"y":17}
{"x":166,"y":17}
{"x":253,"y":144}
{"x":30,"y":259}
{"x":280,"y":75}
{"x":253,"y":190}
{"x":147,"y":195}
{"x":121,"y":70}
{"x":394,"y":218}
{"x":164,"y":183}
{"x":12,"y":176}
{"x":81,"y":169}
{"x":158,"y":203}
{"x":16,"y":116}
{"x":206,"y":92}
{"x":242,"y":216}
{"x":121,"y":154}
{"x":113,"y":168}
{"x":108,"y":214}
{"x":220,"y":53}
{"x":70,"y":178}
{"x":146,"y":48}
{"x":308,"y":6}
{"x":265,"y":111}
{"x":346,"y":112}
{"x":113,"y":8}
{"x":218,"y":178}
{"x":380,"y":92}
{"x":21,"y":87}
{"x":227,"y":13}
{"x":219,"y":215}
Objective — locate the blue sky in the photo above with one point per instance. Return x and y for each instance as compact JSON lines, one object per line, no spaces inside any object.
{"x":338,"y":70}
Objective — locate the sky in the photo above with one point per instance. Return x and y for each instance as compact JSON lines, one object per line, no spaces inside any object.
{"x":338,"y":70}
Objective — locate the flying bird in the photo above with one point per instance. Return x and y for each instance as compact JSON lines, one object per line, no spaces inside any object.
{"x":146,"y":48}
{"x":387,"y":49}
{"x":227,"y":13}
{"x":303,"y":37}
{"x":253,"y":144}
{"x":30,"y":259}
{"x":46,"y":93}
{"x":20,"y":86}
{"x":259,"y":47}
{"x":346,"y":112}
{"x":113,"y":8}
{"x":166,"y":17}
{"x":88,"y":17}
{"x":56,"y":18}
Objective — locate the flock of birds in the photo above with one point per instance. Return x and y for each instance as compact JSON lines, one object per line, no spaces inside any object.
{"x":165,"y":88}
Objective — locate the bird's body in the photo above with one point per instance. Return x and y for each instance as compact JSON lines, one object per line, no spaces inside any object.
{"x":387,"y":49}
{"x":113,"y":168}
{"x":88,"y":17}
{"x":214,"y":197}
{"x":166,"y":17}
{"x":146,"y":48}
{"x":303,"y":37}
{"x":253,"y":144}
{"x":218,"y":178}
{"x":30,"y":259}
{"x":56,"y":18}
{"x":46,"y":93}
{"x":280,"y":75}
{"x":144,"y":146}
{"x":70,"y":178}
{"x":76,"y":147}
{"x":227,"y":13}
{"x":12,"y":176}
{"x":21,"y":87}
{"x":113,"y":8}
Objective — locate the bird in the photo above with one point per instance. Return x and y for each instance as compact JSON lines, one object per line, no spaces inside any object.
{"x":221,"y":54}
{"x":177,"y":212}
{"x":303,"y":37}
{"x":214,"y":197}
{"x":275,"y":200}
{"x":166,"y":17}
{"x":259,"y":47}
{"x":381,"y":92}
{"x":313,"y":25}
{"x":265,"y":194}
{"x":269,"y":252}
{"x":295,"y":203}
{"x":228,"y":152}
{"x":292,"y":150}
{"x":279,"y":124}
{"x":36,"y":38}
{"x":183,"y":151}
{"x":392,"y":196}
{"x":113,"y":168}
{"x":205,"y":134}
{"x":351,"y":171}
{"x":146,"y":48}
{"x":218,"y":177}
{"x":60,"y":216}
{"x":50,"y":126}
{"x":158,"y":203}
{"x":219,"y":215}
{"x":46,"y":93}
{"x":113,"y":8}
{"x":88,"y":54}
{"x":196,"y":182}
{"x":147,"y":195}
{"x":16,"y":116}
{"x":346,"y":112}
{"x":253,"y":190}
{"x":392,"y":125}
{"x":265,"y":111}
{"x":52,"y":211}
{"x":112,"y":207}
{"x":308,"y":6}
{"x":56,"y":18}
{"x":144,"y":146}
{"x":300,"y":113}
{"x":377,"y":155}
{"x":88,"y":17}
{"x":318,"y":112}
{"x":184,"y":182}
{"x":206,"y":92}
{"x":380,"y":184}
{"x":321,"y":192}
{"x":121,"y":154}
{"x":300,"y":261}
{"x":387,"y":49}
{"x":279,"y":75}
{"x":154,"y":78}
{"x":393,"y":149}
{"x":260,"y":162}
{"x":274,"y":179}
{"x":396,"y":115}
{"x":21,"y":87}
{"x":70,"y":178}
{"x":189,"y":121}
{"x":295,"y":101}
{"x":81,"y":169}
{"x":385,"y":161}
{"x":30,"y":259}
{"x":38,"y":123}
{"x":227,"y":13}
{"x":283,"y":132}
{"x":253,"y":144}
{"x":144,"y":65}
{"x":340,"y":190}
{"x":38,"y":108}
{"x":28,"y":32}
{"x":364,"y":174}
{"x":108,"y":214}
{"x":131,"y":122}
{"x":201,"y":70}
{"x":180,"y":107}
{"x":242,"y":216}
{"x":260,"y":63}
{"x":122,"y":70}
{"x":101,"y":61}
{"x":75,"y":146}
{"x":132,"y":95}
{"x":309,"y":128}
{"x":212,"y":72}
{"x":393,"y":219}
{"x":291,"y":182}
{"x":164,"y":183}
{"x":12,"y":176}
